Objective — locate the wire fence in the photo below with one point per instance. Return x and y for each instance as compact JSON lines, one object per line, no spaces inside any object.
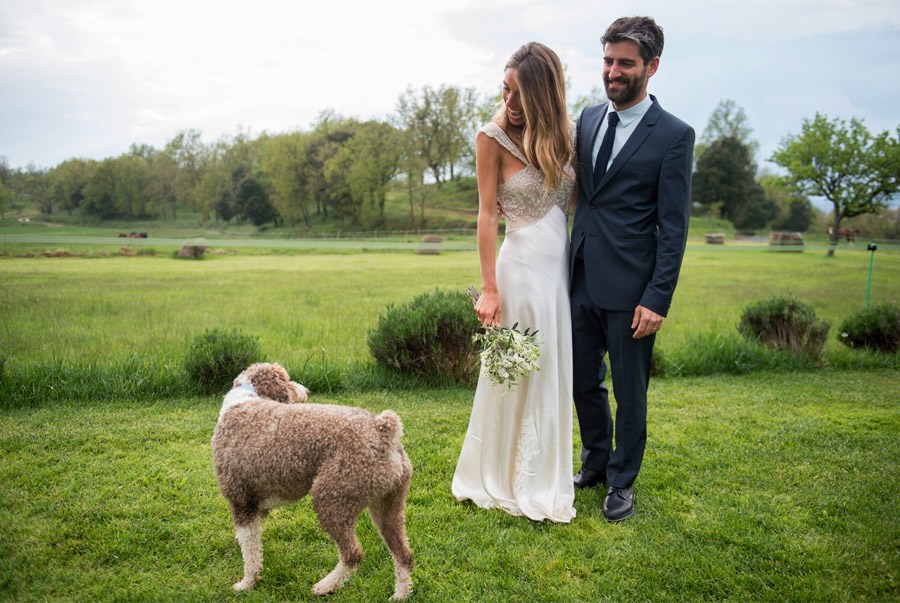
{"x":463,"y":239}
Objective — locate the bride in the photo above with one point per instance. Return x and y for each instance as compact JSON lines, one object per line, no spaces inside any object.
{"x":517,"y":453}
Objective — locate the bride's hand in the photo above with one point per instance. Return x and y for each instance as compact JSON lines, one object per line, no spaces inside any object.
{"x":488,"y":309}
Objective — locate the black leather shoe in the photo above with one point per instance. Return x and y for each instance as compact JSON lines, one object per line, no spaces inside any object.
{"x":588,"y":478}
{"x":618,"y":504}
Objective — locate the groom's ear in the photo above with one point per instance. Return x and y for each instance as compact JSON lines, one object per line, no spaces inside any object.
{"x":652,"y":66}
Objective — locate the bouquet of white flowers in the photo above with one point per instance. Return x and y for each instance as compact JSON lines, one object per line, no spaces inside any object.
{"x":506,"y":353}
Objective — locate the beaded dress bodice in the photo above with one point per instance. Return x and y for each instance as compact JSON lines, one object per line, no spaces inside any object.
{"x":522,"y":198}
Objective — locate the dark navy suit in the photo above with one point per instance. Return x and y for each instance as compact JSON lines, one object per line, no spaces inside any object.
{"x":628,"y":240}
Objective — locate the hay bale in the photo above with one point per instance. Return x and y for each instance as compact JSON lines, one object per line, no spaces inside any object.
{"x":784,"y":240}
{"x":191,"y":251}
{"x":431,"y":249}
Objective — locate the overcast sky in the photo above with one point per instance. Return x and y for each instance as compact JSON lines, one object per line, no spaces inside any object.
{"x":87,"y":78}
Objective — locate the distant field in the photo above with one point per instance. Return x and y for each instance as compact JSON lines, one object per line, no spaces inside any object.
{"x":106,"y":308}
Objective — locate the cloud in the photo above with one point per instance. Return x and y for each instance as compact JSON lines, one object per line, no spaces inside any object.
{"x":89,"y":77}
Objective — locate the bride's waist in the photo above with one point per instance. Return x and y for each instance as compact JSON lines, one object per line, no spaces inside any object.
{"x":554,"y":215}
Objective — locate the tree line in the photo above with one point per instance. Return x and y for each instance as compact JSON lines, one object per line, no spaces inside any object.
{"x":341,"y":165}
{"x":838,"y":160}
{"x":328,"y":172}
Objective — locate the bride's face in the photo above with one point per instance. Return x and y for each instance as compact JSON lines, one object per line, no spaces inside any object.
{"x":512,"y":98}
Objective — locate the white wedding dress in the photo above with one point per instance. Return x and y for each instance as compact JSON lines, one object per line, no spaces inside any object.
{"x":517,"y":453}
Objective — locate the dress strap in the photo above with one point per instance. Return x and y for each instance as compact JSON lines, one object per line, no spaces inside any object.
{"x":497,"y":133}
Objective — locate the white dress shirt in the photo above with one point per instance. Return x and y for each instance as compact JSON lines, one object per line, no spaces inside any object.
{"x":628,"y":121}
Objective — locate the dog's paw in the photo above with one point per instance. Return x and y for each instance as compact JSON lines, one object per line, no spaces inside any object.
{"x":244,"y":585}
{"x":333,"y":580}
{"x":402,"y":587}
{"x":321,"y":589}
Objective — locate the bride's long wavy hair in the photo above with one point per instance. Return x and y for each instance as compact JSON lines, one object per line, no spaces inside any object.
{"x":547,"y":142}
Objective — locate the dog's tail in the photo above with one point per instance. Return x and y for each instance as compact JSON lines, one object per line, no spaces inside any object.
{"x":390,"y":426}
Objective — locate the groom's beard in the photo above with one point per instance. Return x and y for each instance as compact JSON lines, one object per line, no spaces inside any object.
{"x":629,"y":92}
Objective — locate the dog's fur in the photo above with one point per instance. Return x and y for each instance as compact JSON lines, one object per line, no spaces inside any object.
{"x":268,"y":452}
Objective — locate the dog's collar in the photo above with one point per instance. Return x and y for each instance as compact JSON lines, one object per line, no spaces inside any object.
{"x":237,"y":395}
{"x":247,"y":386}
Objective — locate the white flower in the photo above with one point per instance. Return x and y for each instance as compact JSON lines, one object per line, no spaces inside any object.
{"x":506,"y":352}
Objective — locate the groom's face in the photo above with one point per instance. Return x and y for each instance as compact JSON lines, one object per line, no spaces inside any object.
{"x":625,"y":74}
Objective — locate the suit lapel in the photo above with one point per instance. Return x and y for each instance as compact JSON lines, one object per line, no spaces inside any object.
{"x":637,"y":138}
{"x":589,"y":130}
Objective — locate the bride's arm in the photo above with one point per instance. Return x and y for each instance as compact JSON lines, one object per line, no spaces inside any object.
{"x":487,"y":170}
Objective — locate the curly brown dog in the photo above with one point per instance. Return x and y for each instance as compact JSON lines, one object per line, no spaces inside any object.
{"x":268,"y":452}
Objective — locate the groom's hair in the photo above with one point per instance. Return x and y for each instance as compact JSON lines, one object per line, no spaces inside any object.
{"x":643,"y":31}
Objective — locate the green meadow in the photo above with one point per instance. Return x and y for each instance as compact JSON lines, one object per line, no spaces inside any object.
{"x":764,"y":482}
{"x":300,"y":302}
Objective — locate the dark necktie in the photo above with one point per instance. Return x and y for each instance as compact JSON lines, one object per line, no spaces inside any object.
{"x":605,"y":148}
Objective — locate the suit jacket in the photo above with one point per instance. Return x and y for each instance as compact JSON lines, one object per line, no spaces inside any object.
{"x":632,"y":228}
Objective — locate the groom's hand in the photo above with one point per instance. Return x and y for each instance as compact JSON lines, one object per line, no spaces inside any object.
{"x":645,"y":322}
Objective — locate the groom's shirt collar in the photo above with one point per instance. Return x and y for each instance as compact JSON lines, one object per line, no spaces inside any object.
{"x":631,"y":114}
{"x":628,"y":122}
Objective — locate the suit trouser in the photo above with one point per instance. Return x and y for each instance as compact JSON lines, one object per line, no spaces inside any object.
{"x":595,"y":333}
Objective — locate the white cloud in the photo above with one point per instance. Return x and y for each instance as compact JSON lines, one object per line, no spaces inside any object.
{"x":89,"y":77}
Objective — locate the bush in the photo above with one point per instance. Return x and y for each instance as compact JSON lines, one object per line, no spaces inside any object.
{"x":876,"y":328}
{"x":217,"y":356}
{"x":431,"y":335}
{"x":785,"y":323}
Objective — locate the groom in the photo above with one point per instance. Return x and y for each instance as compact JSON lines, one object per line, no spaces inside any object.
{"x":628,"y":240}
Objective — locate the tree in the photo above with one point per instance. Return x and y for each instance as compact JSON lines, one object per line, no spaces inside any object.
{"x":413,"y":168}
{"x":795,"y":212}
{"x":337,"y":172}
{"x":328,"y":137}
{"x":36,"y":188}
{"x":284,"y":165}
{"x":234,"y":159}
{"x":440,"y":126}
{"x":420,"y":119}
{"x":187,"y":151}
{"x":164,"y":187}
{"x":725,"y":181}
{"x":843,"y":162}
{"x":595,"y":96}
{"x":459,"y":109}
{"x":4,"y":200}
{"x":371,"y":159}
{"x":118,"y":187}
{"x":727,"y":120}
{"x":7,"y":190}
{"x":100,"y":191}
{"x":132,"y":186}
{"x":67,"y":182}
{"x":253,"y":204}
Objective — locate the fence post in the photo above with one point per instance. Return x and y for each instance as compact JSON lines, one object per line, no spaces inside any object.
{"x":872,"y":247}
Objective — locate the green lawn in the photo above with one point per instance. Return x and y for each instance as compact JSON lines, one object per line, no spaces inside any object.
{"x":767,"y":487}
{"x":151,"y":306}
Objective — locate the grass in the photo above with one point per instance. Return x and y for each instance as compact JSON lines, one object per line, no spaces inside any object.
{"x":58,"y":310}
{"x":774,"y":485}
{"x":760,"y":487}
{"x":153,"y":306}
